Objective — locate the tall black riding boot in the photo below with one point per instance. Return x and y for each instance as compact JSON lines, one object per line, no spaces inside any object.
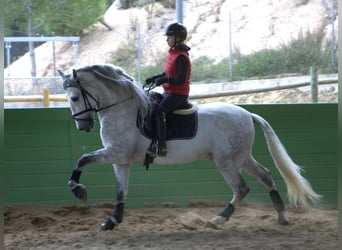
{"x":161,"y":134}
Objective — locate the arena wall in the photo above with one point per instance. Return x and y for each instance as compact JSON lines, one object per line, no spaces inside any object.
{"x":43,"y":145}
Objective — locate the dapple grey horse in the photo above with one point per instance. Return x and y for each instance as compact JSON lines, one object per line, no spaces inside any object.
{"x":225,"y":135}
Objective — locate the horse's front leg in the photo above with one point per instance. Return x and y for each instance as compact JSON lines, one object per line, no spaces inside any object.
{"x":99,"y":156}
{"x":122,"y":176}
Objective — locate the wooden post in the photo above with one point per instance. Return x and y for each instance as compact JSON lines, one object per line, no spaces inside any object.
{"x":46,"y":99}
{"x":314,"y":84}
{"x":36,"y":92}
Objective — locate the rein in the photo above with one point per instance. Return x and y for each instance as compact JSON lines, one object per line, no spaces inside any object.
{"x":86,"y":99}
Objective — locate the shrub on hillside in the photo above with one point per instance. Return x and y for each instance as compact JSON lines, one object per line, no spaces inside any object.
{"x":296,"y":56}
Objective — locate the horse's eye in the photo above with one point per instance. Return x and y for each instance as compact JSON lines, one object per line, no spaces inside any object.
{"x":74,"y":98}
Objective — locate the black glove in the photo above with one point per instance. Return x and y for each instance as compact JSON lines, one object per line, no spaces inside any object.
{"x":151,"y":79}
{"x":161,"y":80}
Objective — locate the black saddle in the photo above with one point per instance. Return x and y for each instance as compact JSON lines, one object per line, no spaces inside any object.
{"x":181,"y":124}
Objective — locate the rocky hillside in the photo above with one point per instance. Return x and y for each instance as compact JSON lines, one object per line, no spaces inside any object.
{"x":255,"y":25}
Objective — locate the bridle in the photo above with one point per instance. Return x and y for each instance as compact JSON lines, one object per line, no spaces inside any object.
{"x":86,"y":100}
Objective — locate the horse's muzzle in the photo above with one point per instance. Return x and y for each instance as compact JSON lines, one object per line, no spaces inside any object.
{"x":85,"y":124}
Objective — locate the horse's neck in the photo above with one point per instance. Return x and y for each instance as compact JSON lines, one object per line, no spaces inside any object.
{"x":120,"y":117}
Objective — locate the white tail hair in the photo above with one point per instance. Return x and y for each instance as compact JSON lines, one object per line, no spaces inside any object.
{"x":299,"y":189}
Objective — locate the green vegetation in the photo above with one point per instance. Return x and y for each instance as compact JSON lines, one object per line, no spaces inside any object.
{"x":294,"y":57}
{"x":126,"y":57}
{"x":42,"y":17}
{"x":48,"y":18}
{"x":297,"y":56}
{"x":205,"y":70}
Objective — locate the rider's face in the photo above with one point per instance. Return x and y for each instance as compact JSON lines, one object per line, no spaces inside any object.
{"x":171,"y":41}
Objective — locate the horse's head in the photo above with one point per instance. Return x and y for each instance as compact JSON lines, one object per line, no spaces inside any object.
{"x":83,"y":105}
{"x":100,"y":88}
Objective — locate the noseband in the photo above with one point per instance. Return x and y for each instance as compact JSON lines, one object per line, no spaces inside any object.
{"x":88,"y":107}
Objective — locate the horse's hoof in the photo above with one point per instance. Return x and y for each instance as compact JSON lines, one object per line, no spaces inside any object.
{"x":211,"y":225}
{"x":109,"y":225}
{"x":216,"y":222}
{"x":80,"y":192}
{"x":282,"y":219}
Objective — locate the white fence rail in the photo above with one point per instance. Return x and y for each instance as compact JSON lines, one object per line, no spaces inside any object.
{"x":198,"y":91}
{"x":261,"y":89}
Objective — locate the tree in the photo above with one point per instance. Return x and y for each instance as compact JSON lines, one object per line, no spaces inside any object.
{"x":71,"y":17}
{"x":62,"y":17}
{"x":22,"y":12}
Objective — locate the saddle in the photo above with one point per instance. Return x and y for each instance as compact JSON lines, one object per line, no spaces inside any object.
{"x":181,"y":124}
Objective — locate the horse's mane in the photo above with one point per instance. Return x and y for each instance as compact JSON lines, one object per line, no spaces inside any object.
{"x":122,"y":82}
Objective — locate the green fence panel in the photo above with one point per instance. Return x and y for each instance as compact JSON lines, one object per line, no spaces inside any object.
{"x":43,"y":145}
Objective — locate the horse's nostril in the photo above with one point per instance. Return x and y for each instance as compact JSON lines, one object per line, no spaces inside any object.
{"x":74,"y":98}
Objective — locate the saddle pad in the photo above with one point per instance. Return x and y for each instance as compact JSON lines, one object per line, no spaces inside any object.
{"x":187,"y":111}
{"x":178,"y":126}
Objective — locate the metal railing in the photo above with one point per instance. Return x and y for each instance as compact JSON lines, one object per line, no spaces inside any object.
{"x":51,"y":91}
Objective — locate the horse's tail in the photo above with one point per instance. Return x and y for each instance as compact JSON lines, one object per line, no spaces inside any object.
{"x":298,"y":188}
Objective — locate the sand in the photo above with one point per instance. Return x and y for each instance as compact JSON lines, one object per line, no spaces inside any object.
{"x":252,"y":226}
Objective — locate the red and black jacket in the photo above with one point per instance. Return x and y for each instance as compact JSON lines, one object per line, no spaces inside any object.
{"x":177,"y":71}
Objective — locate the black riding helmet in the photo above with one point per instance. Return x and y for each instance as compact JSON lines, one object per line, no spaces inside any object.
{"x":177,"y":30}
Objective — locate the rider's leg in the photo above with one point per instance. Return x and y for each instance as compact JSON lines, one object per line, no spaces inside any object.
{"x":168,"y":104}
{"x":161,"y":134}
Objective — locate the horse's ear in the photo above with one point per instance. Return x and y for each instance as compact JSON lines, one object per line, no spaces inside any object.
{"x":61,"y":73}
{"x":74,"y":74}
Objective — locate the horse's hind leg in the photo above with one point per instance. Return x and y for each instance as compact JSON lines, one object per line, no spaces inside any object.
{"x":263,"y":175}
{"x":240,"y":189}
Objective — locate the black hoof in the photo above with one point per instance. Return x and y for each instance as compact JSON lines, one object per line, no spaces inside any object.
{"x":109,"y":225}
{"x":80,"y":192}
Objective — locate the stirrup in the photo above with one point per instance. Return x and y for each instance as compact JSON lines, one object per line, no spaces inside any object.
{"x":162,"y":151}
{"x":152,"y":150}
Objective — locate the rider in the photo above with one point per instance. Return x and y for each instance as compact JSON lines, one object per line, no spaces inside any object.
{"x":175,"y":80}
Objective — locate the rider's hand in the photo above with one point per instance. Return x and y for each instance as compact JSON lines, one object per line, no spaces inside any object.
{"x":159,"y":81}
{"x":149,"y":80}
